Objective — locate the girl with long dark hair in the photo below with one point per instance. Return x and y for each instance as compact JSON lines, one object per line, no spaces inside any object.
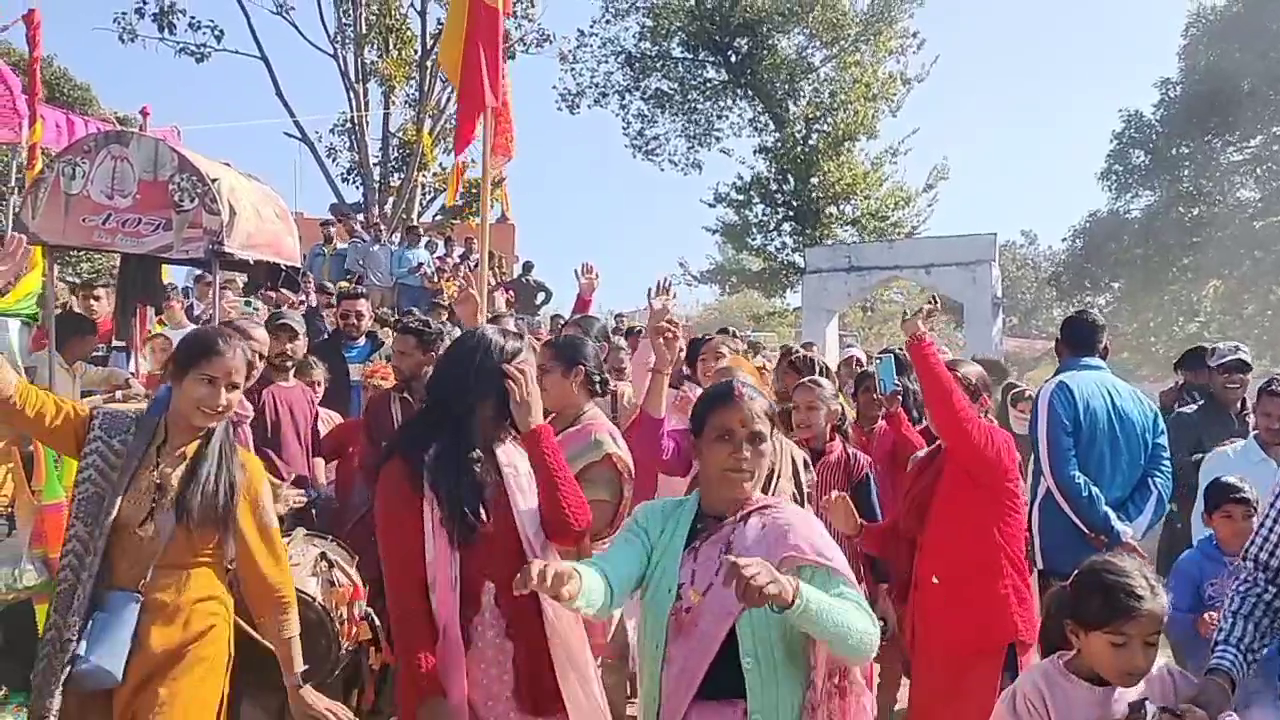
{"x":162,"y":503}
{"x":473,"y":487}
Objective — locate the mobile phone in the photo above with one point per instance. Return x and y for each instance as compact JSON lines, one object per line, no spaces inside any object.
{"x":886,"y":373}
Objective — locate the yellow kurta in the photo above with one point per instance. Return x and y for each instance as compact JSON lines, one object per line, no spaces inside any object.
{"x":180,"y":664}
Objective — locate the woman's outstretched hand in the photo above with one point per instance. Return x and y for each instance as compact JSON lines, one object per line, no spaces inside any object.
{"x":665,"y":340}
{"x":758,"y":583}
{"x":525,"y":397}
{"x":920,"y":320}
{"x":840,"y":512}
{"x":556,"y":580}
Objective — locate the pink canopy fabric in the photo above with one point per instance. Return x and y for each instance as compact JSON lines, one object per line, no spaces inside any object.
{"x":61,"y":128}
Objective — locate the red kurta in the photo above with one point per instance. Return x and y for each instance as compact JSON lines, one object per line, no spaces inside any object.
{"x":496,"y":555}
{"x":971,"y":591}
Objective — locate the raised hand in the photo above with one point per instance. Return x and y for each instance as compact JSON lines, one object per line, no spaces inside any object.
{"x":662,"y":302}
{"x":758,"y":583}
{"x":558,"y":581}
{"x":840,"y":512}
{"x":588,"y":279}
{"x":525,"y":397}
{"x":920,"y":320}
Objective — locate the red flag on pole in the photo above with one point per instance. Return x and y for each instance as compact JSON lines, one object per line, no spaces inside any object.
{"x":473,"y":56}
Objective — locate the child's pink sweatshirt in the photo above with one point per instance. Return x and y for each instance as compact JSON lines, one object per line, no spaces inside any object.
{"x":1048,"y":691}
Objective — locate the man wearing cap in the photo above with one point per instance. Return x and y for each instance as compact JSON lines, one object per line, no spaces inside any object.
{"x":327,"y":260}
{"x":1194,"y":431}
{"x":371,"y":263}
{"x":1256,"y":459}
{"x":285,"y":425}
{"x":319,"y":316}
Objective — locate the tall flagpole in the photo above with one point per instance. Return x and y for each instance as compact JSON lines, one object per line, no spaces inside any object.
{"x":486,"y":182}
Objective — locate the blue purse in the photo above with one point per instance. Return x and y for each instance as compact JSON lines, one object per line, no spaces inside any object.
{"x":103,"y":651}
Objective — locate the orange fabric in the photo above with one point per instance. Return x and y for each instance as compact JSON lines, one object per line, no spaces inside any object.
{"x":473,"y":58}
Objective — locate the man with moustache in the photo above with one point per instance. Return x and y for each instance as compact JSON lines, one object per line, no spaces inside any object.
{"x":1194,"y":431}
{"x":286,"y":433}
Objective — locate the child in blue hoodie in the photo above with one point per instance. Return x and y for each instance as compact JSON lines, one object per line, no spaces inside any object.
{"x":1198,"y":585}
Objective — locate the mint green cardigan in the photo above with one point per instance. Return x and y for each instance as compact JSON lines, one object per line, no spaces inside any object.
{"x":645,"y":557}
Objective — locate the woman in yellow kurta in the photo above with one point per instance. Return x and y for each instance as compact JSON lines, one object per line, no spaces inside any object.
{"x":184,"y":472}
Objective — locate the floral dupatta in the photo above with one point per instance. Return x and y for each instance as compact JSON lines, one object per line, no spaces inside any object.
{"x":570,"y":652}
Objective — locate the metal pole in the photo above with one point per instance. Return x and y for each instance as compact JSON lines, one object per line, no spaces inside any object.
{"x":50,"y":313}
{"x":216,"y":271}
{"x":486,"y":182}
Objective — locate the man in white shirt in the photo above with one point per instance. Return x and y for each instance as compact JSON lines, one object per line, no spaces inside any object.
{"x":75,"y":337}
{"x":1256,"y":459}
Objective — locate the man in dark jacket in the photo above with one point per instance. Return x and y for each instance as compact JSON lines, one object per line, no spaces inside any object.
{"x":1194,"y":431}
{"x":348,"y":351}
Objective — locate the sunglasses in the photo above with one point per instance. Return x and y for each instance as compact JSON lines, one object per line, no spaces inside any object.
{"x":352,"y":315}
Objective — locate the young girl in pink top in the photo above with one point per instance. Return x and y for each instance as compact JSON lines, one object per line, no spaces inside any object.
{"x":1103,"y":630}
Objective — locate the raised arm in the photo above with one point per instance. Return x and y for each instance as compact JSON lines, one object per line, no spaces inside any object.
{"x":952,"y":414}
{"x":50,"y":420}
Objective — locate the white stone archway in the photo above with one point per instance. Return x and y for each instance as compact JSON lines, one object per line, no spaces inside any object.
{"x":965,"y":268}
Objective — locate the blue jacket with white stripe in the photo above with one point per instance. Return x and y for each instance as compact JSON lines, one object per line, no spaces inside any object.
{"x":1101,"y":472}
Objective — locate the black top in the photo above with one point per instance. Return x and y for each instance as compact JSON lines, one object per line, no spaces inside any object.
{"x":724,"y":679}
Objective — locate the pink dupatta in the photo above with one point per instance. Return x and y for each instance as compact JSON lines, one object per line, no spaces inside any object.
{"x":575,"y":668}
{"x":787,"y":536}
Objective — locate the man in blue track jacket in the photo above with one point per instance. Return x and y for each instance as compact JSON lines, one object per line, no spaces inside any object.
{"x":1101,"y":472}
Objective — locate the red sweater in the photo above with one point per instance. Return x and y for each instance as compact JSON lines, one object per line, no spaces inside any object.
{"x":496,"y":556}
{"x":971,"y":584}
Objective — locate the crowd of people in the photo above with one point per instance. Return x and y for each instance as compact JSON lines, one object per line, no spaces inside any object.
{"x":590,"y":517}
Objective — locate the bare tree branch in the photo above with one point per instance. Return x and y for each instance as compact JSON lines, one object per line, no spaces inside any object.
{"x":280,"y":11}
{"x":173,"y":43}
{"x":302,"y":136}
{"x":426,"y":82}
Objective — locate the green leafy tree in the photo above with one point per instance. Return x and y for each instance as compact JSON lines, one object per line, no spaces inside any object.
{"x":1031,"y":276}
{"x":64,"y":90}
{"x":748,"y":311}
{"x":394,"y":142}
{"x":876,"y":321}
{"x":1185,"y":249}
{"x":794,"y":92}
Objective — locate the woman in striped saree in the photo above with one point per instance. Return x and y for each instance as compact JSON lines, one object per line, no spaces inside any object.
{"x":572,"y":376}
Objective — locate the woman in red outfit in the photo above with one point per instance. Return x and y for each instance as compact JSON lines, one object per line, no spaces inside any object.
{"x":957,"y":547}
{"x":474,"y":487}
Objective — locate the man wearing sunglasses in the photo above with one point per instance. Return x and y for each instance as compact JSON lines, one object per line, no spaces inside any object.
{"x":348,"y":350}
{"x":1221,"y":419}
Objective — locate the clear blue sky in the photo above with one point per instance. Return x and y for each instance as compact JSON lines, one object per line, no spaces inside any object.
{"x":1022,"y":103}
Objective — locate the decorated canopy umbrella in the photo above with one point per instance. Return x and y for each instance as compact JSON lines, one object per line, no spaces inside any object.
{"x":127,"y":192}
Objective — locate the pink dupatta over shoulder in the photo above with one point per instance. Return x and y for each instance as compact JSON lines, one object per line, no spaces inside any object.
{"x":787,"y":536}
{"x":575,"y":668}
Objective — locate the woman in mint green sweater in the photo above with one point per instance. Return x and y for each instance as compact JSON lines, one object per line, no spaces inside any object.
{"x":748,"y":607}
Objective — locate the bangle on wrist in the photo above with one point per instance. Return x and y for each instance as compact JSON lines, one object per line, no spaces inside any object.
{"x":1222,"y":679}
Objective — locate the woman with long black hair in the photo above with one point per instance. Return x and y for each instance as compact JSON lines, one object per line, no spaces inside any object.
{"x":162,"y":504}
{"x":474,"y":486}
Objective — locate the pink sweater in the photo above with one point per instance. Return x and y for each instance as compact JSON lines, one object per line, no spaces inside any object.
{"x":1048,"y":691}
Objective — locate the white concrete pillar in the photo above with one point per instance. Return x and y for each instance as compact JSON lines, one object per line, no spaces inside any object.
{"x":820,"y":316}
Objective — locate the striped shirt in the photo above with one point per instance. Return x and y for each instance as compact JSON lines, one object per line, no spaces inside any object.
{"x":840,"y":467}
